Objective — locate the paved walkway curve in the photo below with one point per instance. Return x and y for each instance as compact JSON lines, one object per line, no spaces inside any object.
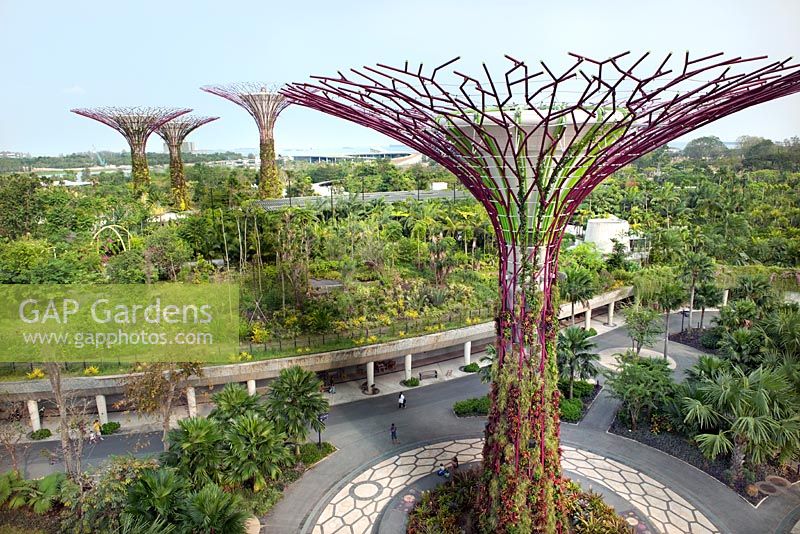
{"x":358,"y":502}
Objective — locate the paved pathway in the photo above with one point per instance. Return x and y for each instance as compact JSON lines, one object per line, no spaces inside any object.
{"x":355,"y":508}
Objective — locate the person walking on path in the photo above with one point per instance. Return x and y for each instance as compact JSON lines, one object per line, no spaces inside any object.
{"x":97,"y":428}
{"x":401,"y":401}
{"x":393,"y":432}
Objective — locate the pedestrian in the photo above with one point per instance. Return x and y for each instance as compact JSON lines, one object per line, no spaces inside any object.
{"x":454,"y":463}
{"x":401,"y":401}
{"x":97,"y":428}
{"x":393,"y":432}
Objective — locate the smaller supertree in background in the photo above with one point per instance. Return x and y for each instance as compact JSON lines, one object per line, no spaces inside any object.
{"x":135,"y":124}
{"x":264,"y":104}
{"x":174,"y":133}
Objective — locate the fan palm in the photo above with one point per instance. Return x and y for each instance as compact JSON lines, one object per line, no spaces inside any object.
{"x":233,"y":401}
{"x":257,"y":452}
{"x":742,"y":347}
{"x":195,"y":449}
{"x":156,"y":495}
{"x":295,"y":402}
{"x":575,"y":358}
{"x":751,"y":416}
{"x":213,"y":511}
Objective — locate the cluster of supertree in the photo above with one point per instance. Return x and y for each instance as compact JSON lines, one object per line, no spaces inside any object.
{"x":174,"y":125}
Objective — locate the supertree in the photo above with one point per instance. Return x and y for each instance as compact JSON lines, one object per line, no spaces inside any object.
{"x":135,"y":124}
{"x":530,"y":145}
{"x":174,"y":133}
{"x":264,"y":104}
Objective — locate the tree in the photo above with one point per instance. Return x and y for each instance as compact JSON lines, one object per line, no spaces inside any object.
{"x":698,"y":267}
{"x":157,"y":495}
{"x":709,"y":147}
{"x":12,"y":433}
{"x":72,"y":421}
{"x":234,"y":401}
{"x":195,"y":449}
{"x":707,"y":295}
{"x":155,"y":386}
{"x":751,"y":415}
{"x":256,"y":451}
{"x":579,"y":286}
{"x":19,"y":204}
{"x":575,"y":358}
{"x":640,"y":383}
{"x":295,"y":402}
{"x":669,"y":297}
{"x":641,"y":323}
{"x":164,"y":254}
{"x":742,"y":347}
{"x":213,"y":511}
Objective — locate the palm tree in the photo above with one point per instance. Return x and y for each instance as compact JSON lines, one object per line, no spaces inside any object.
{"x":781,"y":330}
{"x":707,"y":295}
{"x":233,"y":401}
{"x":579,"y":286}
{"x":699,"y":267}
{"x":156,"y":495}
{"x":213,"y":511}
{"x":195,"y":449}
{"x":669,"y":297}
{"x":575,"y":358}
{"x":256,"y":453}
{"x":755,"y":288}
{"x":295,"y":402}
{"x":742,"y":347}
{"x":751,"y":415}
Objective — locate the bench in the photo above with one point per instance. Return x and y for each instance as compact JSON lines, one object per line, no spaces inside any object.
{"x":433,"y":373}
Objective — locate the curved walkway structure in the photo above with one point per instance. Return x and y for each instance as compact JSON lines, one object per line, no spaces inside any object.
{"x":358,"y":503}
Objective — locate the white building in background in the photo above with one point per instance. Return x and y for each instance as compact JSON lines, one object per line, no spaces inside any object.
{"x":187,"y":147}
{"x":603,"y":233}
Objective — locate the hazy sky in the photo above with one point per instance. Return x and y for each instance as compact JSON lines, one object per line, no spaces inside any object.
{"x":62,"y":54}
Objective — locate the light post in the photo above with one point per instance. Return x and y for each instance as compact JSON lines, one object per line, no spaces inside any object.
{"x":321,"y":418}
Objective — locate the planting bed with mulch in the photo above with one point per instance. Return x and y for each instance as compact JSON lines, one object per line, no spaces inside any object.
{"x":681,"y":447}
{"x":692,"y":339}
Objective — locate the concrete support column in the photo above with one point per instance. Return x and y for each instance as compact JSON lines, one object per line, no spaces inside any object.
{"x":588,"y":322}
{"x":102,"y":411}
{"x":408,"y":367}
{"x":611,"y":314}
{"x":370,"y":376}
{"x":725,"y":297}
{"x":467,"y":352}
{"x":191,"y":402}
{"x":251,"y":387}
{"x":33,"y":411}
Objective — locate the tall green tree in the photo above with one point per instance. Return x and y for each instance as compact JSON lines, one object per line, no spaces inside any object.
{"x":698,"y":267}
{"x":256,"y":451}
{"x":575,"y":356}
{"x":669,"y":298}
{"x":641,"y":322}
{"x":579,"y":285}
{"x":295,"y":401}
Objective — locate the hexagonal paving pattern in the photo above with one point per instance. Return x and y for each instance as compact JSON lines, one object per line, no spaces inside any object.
{"x":356,"y":507}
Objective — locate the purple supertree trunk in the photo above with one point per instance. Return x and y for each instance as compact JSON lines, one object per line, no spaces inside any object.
{"x":530,"y":147}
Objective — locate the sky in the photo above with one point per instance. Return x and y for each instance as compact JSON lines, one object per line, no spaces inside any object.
{"x":59,"y":55}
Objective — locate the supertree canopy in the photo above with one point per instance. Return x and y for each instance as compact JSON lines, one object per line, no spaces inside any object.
{"x":135,"y":124}
{"x":264,"y":104}
{"x":530,"y":145}
{"x":174,"y":133}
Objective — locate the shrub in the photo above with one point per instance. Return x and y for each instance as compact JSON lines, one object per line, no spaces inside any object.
{"x":474,"y":406}
{"x":42,"y":433}
{"x":36,"y":374}
{"x":472,"y":368}
{"x":580,"y":388}
{"x":91,"y":371}
{"x":710,"y":338}
{"x":311,"y":453}
{"x":411,"y":382}
{"x":571,"y":410}
{"x":109,"y":428}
